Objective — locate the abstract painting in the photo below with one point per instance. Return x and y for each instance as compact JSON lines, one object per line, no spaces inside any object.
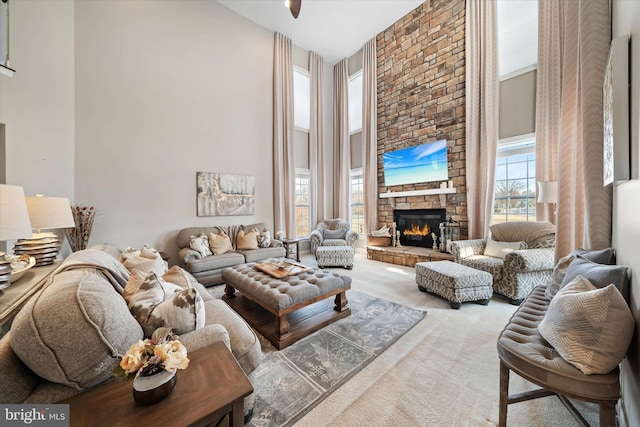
{"x":221,"y":194}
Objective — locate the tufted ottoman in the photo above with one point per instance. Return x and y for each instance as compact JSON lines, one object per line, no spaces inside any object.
{"x":335,"y":256}
{"x":455,"y":282}
{"x":299,"y":302}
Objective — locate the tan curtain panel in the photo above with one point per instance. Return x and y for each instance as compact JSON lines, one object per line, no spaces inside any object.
{"x":370,"y":136}
{"x":342,"y":148}
{"x":548,"y":98}
{"x":316,"y":139}
{"x":482,"y":111}
{"x":283,"y":160}
{"x":574,"y":136}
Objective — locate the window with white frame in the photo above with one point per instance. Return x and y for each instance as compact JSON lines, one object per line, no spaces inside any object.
{"x":301,"y":99}
{"x":356,"y":201}
{"x":515,"y":181}
{"x":355,"y":102}
{"x":303,"y":203}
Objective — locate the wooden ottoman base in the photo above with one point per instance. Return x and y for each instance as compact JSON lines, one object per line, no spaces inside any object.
{"x":289,"y":323}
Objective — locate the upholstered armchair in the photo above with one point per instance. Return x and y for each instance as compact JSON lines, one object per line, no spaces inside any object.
{"x":519,"y":255}
{"x":333,"y":232}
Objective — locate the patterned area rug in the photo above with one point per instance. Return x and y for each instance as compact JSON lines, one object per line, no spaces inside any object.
{"x":289,"y":383}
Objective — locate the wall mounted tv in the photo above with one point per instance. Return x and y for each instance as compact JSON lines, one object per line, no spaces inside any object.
{"x":422,"y":163}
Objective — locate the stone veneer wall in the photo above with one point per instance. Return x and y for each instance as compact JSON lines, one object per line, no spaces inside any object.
{"x":421,"y":98}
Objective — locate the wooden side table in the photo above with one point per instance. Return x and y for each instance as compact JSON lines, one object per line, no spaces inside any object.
{"x":18,"y":293}
{"x":211,"y":388}
{"x":292,"y":249}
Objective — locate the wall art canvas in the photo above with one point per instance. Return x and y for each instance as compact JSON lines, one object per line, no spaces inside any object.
{"x":221,"y":194}
{"x":615,"y":106}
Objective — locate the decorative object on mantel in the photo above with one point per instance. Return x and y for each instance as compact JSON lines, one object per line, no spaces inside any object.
{"x":83,"y":218}
{"x":449,"y":232}
{"x":153,"y":364}
{"x":45,"y":213}
{"x":14,"y":224}
{"x":220,"y":194}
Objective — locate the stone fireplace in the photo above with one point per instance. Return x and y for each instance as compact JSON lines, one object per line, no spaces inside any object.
{"x":416,"y":226}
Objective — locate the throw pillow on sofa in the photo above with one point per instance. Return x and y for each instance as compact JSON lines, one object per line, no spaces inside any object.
{"x":146,"y":259}
{"x":339,"y":233}
{"x":264,"y":238}
{"x":201,"y":245}
{"x":179,"y":276}
{"x":157,"y":304}
{"x":220,"y":243}
{"x":247,"y":240}
{"x":500,"y":249}
{"x":602,"y":256}
{"x":600,"y":275}
{"x":75,"y":330}
{"x":590,"y":327}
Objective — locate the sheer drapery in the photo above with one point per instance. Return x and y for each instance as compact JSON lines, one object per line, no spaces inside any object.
{"x":584,"y":204}
{"x":482,"y":98}
{"x":548,"y":96}
{"x":342,"y":148}
{"x":370,"y":136}
{"x":283,"y":160}
{"x":316,"y":139}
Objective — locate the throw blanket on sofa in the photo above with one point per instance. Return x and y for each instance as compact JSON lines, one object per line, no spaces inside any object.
{"x":112,"y":269}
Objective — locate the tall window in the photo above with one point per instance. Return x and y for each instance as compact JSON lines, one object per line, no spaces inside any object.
{"x":355,"y":102}
{"x":303,"y":210}
{"x":356,"y":207}
{"x":515,"y":190}
{"x":301,"y":99}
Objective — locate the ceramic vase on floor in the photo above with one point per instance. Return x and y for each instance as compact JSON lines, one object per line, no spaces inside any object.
{"x":153,"y":388}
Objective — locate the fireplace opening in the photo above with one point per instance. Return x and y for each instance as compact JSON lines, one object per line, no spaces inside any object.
{"x":416,"y":226}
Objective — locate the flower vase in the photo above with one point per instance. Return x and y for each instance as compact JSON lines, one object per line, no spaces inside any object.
{"x":153,"y":388}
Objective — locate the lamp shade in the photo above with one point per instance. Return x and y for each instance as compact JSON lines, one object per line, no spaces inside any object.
{"x":14,"y":218}
{"x":547,"y":191}
{"x":49,"y":212}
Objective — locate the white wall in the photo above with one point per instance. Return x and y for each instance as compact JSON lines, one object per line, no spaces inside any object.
{"x":37,"y":103}
{"x":164,"y":90}
{"x":626,"y":226}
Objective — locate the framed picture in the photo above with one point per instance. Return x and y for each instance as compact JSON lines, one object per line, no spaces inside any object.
{"x":616,"y":160}
{"x":220,"y":194}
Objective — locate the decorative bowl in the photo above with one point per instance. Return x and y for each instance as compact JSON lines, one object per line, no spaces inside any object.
{"x":19,"y":265}
{"x":152,"y":389}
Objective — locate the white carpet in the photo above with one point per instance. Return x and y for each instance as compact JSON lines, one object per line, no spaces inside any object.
{"x":443,"y":372}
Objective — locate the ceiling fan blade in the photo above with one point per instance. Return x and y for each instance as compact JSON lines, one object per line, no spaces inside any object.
{"x":294,"y":6}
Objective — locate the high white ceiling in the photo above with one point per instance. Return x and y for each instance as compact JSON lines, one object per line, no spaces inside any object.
{"x":336,"y":29}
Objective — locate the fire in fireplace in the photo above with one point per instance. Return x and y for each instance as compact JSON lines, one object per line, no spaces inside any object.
{"x":416,"y":226}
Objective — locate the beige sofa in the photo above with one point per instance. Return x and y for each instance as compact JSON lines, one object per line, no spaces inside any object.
{"x":69,"y":337}
{"x":208,"y":269}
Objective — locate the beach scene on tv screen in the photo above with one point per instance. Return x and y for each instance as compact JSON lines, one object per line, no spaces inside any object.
{"x":422,"y":163}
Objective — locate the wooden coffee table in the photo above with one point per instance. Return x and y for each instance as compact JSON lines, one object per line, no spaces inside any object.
{"x":211,"y":388}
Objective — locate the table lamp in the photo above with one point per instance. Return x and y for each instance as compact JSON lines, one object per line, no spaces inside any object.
{"x":548,"y":193}
{"x":45,"y":213}
{"x":14,"y":224}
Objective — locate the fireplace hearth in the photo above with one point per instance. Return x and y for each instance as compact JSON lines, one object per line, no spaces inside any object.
{"x":416,"y":226}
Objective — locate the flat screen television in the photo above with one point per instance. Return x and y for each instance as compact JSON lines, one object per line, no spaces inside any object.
{"x":422,"y":163}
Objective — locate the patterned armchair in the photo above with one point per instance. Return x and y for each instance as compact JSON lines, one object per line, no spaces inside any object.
{"x":516,"y":272}
{"x":332,"y":232}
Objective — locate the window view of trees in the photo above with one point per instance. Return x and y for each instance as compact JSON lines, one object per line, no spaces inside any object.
{"x":303,"y":209}
{"x":515,"y":186}
{"x":357,"y":201}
